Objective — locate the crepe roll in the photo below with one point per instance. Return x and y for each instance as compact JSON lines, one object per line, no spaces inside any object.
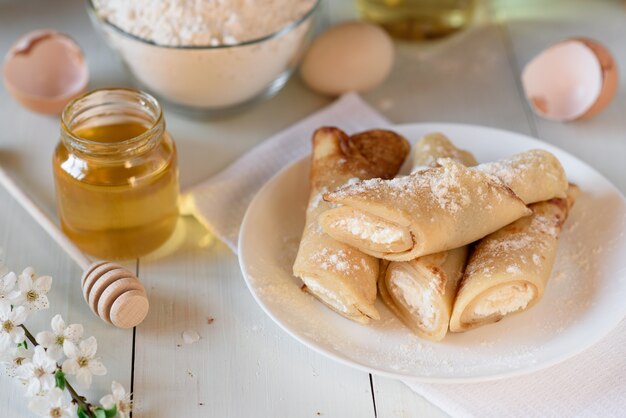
{"x":341,"y":276}
{"x":420,"y":292}
{"x":508,"y":270}
{"x":436,"y":145}
{"x":427,"y":212}
{"x":534,"y":175}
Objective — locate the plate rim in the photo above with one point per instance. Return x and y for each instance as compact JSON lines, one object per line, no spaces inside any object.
{"x":532,"y":368}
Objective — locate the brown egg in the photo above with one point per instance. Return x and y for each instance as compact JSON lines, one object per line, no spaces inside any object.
{"x":44,"y":70}
{"x":351,"y":56}
{"x":571,"y":80}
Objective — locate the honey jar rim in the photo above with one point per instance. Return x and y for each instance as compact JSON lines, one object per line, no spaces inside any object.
{"x":135,"y":144}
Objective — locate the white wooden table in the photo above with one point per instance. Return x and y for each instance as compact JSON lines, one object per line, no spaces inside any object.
{"x":244,"y":365}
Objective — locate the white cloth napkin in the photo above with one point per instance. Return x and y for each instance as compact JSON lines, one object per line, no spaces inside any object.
{"x":592,"y":384}
{"x":221,"y":201}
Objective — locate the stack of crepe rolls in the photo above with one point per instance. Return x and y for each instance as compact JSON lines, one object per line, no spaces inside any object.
{"x":440,"y":208}
{"x":420,"y":226}
{"x":341,"y":276}
{"x":509,"y":269}
{"x":421,"y":292}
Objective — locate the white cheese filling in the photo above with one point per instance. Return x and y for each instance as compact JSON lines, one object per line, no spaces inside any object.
{"x":505,"y":300}
{"x":416,"y":299}
{"x":367,"y":229}
{"x":326,"y":295}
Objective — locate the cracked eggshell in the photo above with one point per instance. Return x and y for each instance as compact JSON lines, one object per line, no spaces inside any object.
{"x":351,"y":56}
{"x":44,"y":70}
{"x":572,"y":79}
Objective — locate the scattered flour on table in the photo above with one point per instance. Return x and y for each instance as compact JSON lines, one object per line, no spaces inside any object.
{"x":201,"y":22}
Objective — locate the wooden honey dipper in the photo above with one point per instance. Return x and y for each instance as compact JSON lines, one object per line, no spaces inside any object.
{"x":112,"y":292}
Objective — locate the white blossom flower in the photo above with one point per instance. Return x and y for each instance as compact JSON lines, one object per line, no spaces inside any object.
{"x":14,"y":357}
{"x":8,"y":291}
{"x":33,"y":290}
{"x":39,"y":373}
{"x":10,"y":321}
{"x":60,"y":335}
{"x":82,"y":362}
{"x":54,"y":405}
{"x":119,"y":398}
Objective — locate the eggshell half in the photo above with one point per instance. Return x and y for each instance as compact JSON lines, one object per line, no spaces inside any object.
{"x":610,"y":77}
{"x":573,"y":79}
{"x":351,"y":56}
{"x":44,"y":70}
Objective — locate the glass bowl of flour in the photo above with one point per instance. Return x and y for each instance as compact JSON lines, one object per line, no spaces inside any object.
{"x":205,"y":56}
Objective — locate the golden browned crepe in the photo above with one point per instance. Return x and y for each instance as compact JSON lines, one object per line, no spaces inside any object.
{"x":436,"y":145}
{"x":509,"y":269}
{"x":534,"y":175}
{"x":420,"y":292}
{"x":424,"y":213}
{"x":390,"y":219}
{"x":339,"y":275}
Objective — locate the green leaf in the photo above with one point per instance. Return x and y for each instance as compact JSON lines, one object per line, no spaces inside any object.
{"x":111,"y":413}
{"x":99,"y":413}
{"x":59,"y":378}
{"x":81,"y":413}
{"x":23,"y":344}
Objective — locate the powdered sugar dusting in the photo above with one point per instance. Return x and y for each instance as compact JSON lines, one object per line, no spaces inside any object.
{"x":512,"y":168}
{"x":534,"y":175}
{"x":338,"y":260}
{"x":538,"y":235}
{"x":444,"y":184}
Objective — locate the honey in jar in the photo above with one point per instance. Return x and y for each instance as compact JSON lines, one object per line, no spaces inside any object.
{"x":116,"y":174}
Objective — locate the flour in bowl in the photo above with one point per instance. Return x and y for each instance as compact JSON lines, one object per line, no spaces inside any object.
{"x":193,"y":52}
{"x":201,"y":22}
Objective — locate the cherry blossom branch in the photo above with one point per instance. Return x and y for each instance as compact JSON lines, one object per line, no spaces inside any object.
{"x":56,"y":353}
{"x":86,"y":406}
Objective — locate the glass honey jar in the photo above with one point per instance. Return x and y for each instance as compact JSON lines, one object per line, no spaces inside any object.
{"x":116,"y":174}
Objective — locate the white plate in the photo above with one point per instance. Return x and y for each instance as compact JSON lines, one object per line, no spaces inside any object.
{"x":584,"y":299}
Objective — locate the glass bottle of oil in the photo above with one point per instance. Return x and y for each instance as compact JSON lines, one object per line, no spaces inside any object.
{"x":418,"y":19}
{"x":116,"y":174}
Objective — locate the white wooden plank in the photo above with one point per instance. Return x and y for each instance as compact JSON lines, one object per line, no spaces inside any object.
{"x":244,"y":365}
{"x":26,"y":144}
